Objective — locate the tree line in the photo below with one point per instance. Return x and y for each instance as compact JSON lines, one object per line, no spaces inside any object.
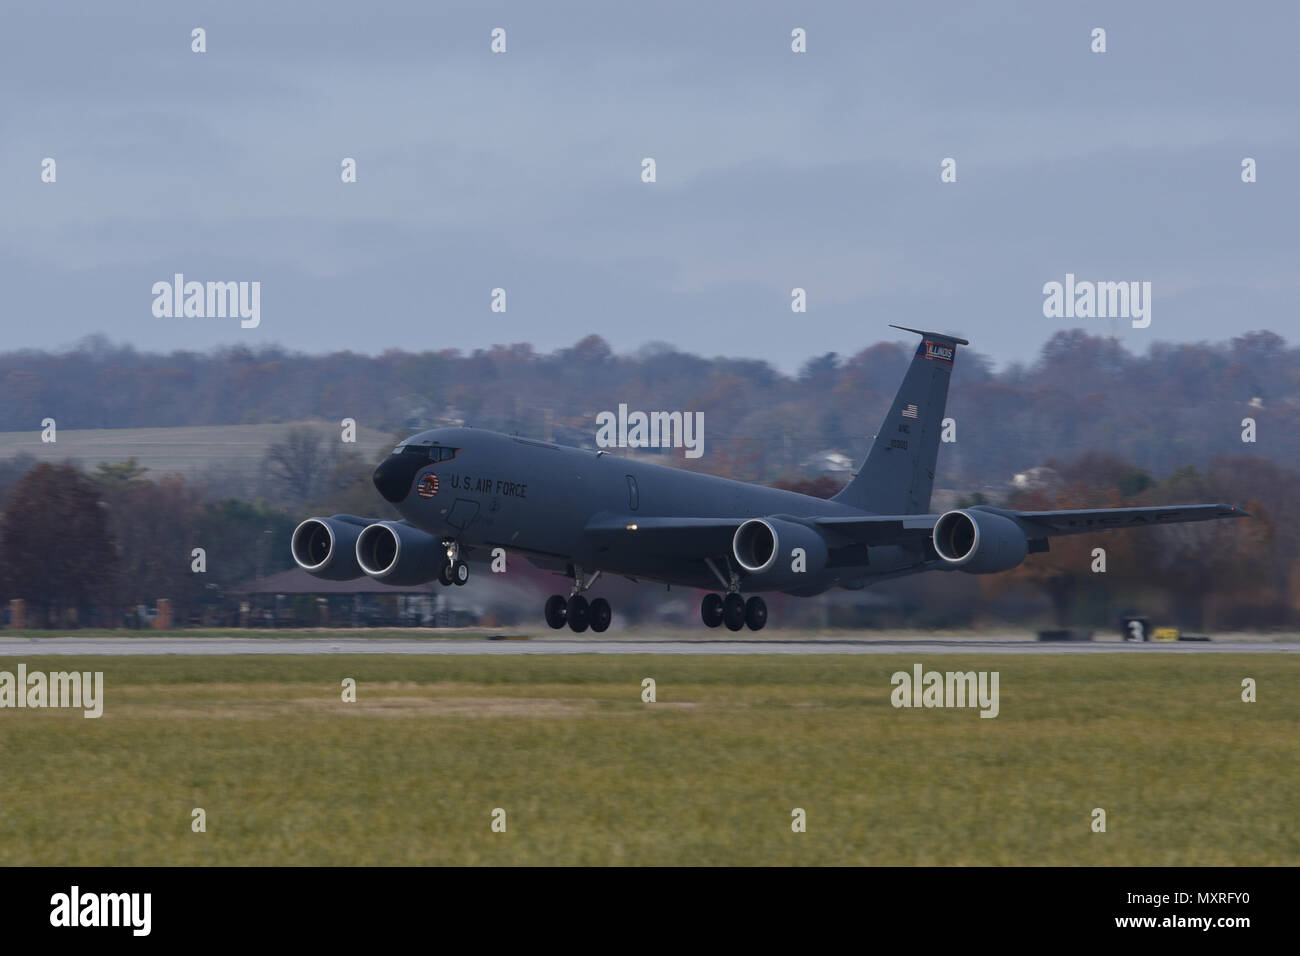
{"x":1175,"y":405}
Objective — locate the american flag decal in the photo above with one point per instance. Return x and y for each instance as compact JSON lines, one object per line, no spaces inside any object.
{"x":428,"y":486}
{"x":909,"y":411}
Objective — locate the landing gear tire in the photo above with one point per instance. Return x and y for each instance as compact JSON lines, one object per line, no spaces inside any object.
{"x":557,"y":611}
{"x":579,"y":613}
{"x":600,"y":613}
{"x":444,"y":574}
{"x":711,"y":610}
{"x":733,"y":612}
{"x":755,"y":613}
{"x":459,"y":572}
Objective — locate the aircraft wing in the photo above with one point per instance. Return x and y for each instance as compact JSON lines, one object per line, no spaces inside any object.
{"x":1053,"y":523}
{"x":878,"y":529}
{"x":680,"y":537}
{"x":708,"y":537}
{"x":896,"y":529}
{"x":704,"y":537}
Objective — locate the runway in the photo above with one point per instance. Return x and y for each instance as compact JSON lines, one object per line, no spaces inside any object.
{"x":198,"y":646}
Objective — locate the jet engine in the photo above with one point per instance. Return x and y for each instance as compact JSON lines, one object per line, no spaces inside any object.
{"x":778,"y":552}
{"x":980,"y":542}
{"x":396,"y":553}
{"x":326,"y":547}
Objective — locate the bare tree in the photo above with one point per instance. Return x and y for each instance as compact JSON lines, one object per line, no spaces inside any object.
{"x":297,"y":466}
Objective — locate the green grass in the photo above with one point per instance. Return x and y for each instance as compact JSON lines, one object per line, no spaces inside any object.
{"x":1187,"y":773}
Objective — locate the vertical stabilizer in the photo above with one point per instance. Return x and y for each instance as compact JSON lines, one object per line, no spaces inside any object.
{"x":898,"y":475}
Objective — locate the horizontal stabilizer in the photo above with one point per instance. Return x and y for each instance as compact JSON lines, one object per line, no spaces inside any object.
{"x":932,"y":335}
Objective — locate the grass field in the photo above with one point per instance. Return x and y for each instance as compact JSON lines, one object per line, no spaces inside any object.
{"x":709,"y":774}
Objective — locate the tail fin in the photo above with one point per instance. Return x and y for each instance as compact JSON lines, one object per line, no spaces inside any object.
{"x":898,"y":475}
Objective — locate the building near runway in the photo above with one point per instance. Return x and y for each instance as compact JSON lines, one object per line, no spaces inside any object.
{"x":294,"y":598}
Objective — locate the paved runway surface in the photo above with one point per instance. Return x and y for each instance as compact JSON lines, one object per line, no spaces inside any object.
{"x":30,"y":647}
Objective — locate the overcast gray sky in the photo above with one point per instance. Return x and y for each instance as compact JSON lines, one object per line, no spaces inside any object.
{"x":522,"y":170}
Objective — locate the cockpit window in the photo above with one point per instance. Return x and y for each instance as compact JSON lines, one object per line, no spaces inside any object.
{"x":431,"y":452}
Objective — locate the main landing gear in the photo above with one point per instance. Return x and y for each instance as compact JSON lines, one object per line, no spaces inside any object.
{"x":734,"y":611}
{"x":730,"y":608}
{"x":576,"y":610}
{"x":454,"y":570}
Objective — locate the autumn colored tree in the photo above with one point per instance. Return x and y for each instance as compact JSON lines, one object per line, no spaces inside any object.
{"x":56,"y":548}
{"x":155,"y":524}
{"x":1194,"y":564}
{"x":120,"y":472}
{"x":243,"y":541}
{"x":1065,"y":573}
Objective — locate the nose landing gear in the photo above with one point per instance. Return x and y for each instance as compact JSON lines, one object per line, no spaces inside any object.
{"x":453,"y":570}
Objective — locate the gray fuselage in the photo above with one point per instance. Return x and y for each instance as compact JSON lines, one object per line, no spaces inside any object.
{"x":536,"y":498}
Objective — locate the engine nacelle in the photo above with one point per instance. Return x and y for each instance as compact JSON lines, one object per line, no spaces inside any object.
{"x":326,"y":547}
{"x":778,"y":553}
{"x":397,"y":553}
{"x":979,"y":541}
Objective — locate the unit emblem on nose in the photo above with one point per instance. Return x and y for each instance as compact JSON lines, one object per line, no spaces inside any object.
{"x":428,"y":486}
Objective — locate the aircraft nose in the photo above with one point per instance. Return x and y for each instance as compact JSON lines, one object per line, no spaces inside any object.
{"x":394,"y":475}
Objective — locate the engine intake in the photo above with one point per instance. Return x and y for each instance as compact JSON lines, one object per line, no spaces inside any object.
{"x":778,"y":552}
{"x":326,"y":547}
{"x":979,"y":542}
{"x":398,"y":554}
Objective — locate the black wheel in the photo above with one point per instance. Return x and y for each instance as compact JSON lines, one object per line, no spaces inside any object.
{"x":600,"y":613}
{"x":557,"y":611}
{"x":755,"y":613}
{"x":733,"y":612}
{"x":444,"y":573}
{"x":579,"y":613}
{"x":460,"y":572}
{"x":711,"y":610}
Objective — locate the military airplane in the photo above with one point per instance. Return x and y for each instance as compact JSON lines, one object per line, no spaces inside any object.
{"x":463,"y":493}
